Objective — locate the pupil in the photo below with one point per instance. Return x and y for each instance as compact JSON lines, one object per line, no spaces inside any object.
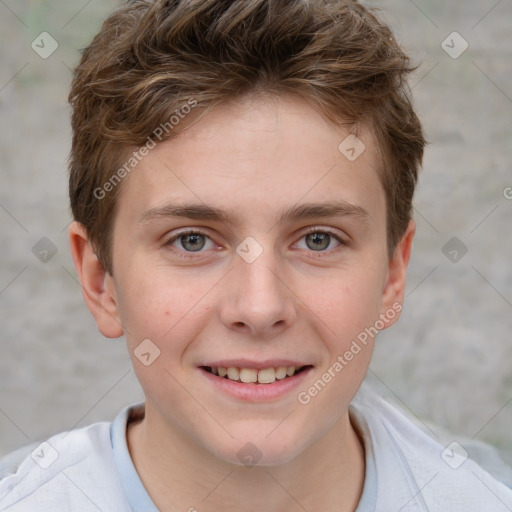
{"x":320,"y":240}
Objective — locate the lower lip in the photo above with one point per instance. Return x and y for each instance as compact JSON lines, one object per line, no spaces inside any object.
{"x":252,"y":392}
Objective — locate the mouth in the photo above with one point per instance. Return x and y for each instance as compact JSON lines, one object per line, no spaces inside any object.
{"x":263,"y":376}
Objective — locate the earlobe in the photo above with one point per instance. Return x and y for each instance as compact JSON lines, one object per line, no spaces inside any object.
{"x":394,"y":289}
{"x":97,"y":285}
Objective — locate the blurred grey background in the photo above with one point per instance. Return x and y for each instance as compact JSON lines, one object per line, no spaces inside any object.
{"x":448,"y":361}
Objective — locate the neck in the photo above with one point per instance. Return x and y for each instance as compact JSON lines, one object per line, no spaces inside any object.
{"x":180,"y":475}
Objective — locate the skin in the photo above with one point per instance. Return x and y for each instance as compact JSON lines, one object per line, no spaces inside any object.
{"x":252,"y":158}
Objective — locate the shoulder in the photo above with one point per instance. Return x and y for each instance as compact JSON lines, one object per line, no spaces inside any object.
{"x":72,"y":470}
{"x":417,"y":472}
{"x":10,"y":463}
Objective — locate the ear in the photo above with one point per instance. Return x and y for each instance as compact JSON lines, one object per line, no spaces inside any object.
{"x":394,"y":288}
{"x":97,"y":284}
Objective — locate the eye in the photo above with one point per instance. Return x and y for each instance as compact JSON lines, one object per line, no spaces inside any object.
{"x":318,"y":240}
{"x":190,"y":241}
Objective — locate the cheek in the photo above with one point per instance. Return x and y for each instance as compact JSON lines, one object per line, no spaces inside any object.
{"x":163,"y":311}
{"x":347,"y":302}
{"x":164,"y":308}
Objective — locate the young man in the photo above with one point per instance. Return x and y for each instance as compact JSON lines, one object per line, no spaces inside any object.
{"x":241,"y":180}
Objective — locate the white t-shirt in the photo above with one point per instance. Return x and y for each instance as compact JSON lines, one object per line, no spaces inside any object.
{"x":90,"y":469}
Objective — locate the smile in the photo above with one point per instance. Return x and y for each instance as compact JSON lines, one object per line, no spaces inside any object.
{"x":252,"y":375}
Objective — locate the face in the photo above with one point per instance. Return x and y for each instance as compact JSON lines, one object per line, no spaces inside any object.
{"x":252,"y":242}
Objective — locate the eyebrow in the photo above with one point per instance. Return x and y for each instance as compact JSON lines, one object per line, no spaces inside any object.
{"x":198,"y":211}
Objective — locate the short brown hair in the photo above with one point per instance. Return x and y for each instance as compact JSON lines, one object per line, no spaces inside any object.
{"x":151,"y":58}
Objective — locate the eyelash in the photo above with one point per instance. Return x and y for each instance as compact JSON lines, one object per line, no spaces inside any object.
{"x":191,"y":254}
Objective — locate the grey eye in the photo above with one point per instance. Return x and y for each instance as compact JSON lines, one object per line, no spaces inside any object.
{"x":193,"y":242}
{"x":318,"y":241}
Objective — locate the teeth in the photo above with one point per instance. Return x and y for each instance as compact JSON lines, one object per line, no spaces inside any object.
{"x":250,"y":375}
{"x":281,"y":372}
{"x":233,"y":373}
{"x":267,"y":376}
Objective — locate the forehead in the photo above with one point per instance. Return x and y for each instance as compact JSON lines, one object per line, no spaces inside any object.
{"x":258,"y":155}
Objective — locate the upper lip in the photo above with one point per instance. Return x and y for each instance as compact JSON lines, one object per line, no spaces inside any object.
{"x":256,"y":365}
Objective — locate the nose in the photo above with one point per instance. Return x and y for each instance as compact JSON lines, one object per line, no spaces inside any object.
{"x":256,"y":300}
